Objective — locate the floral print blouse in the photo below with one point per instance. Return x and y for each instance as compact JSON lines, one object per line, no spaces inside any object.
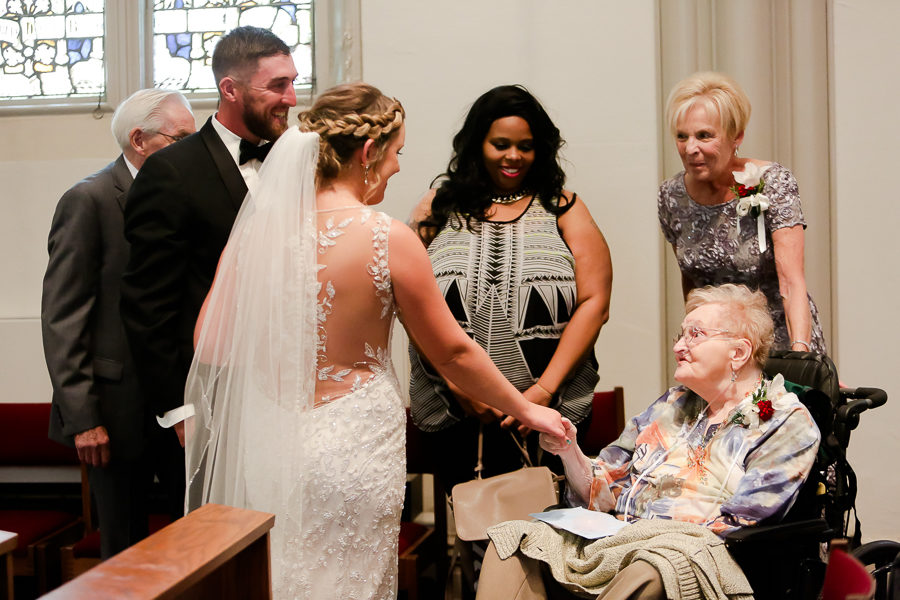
{"x":745,"y":470}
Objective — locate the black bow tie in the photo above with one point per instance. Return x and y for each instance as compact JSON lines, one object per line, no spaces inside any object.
{"x":250,"y":151}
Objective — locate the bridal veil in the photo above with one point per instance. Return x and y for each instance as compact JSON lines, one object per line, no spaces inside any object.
{"x":252,"y":380}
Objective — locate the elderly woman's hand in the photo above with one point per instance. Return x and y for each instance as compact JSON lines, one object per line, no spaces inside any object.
{"x":560,"y":445}
{"x":578,"y":467}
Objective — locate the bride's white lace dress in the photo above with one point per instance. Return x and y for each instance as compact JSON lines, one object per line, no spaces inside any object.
{"x":297,"y":410}
{"x":358,"y":467}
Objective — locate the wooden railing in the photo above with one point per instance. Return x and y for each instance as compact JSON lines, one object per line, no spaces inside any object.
{"x":216,"y":552}
{"x":8,"y":542}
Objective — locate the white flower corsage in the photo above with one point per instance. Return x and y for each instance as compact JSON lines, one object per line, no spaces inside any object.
{"x":762,"y":404}
{"x":748,"y":189}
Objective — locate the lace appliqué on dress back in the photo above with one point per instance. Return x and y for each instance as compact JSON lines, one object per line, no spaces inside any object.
{"x":377,"y":358}
{"x":378,"y":268}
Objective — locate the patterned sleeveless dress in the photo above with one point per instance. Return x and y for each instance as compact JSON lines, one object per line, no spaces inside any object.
{"x":511,"y":286}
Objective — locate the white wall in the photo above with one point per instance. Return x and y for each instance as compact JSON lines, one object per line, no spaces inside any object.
{"x":41,"y":156}
{"x":866,"y":127}
{"x":593,"y":66}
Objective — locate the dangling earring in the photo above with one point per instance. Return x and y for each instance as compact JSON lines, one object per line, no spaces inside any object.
{"x":735,"y":150}
{"x":733,"y":375}
{"x":366,"y":174}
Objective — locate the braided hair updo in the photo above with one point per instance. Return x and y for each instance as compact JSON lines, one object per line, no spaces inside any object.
{"x":345,"y":117}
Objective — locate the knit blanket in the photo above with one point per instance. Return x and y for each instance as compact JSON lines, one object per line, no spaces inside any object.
{"x":693,"y":561}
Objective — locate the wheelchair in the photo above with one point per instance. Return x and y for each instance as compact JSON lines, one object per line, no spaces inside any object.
{"x":785,"y":560}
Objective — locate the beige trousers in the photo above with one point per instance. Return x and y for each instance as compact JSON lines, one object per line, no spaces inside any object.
{"x":519,"y":578}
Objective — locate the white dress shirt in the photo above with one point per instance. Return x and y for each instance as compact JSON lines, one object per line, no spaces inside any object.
{"x":250,"y":169}
{"x":131,"y":168}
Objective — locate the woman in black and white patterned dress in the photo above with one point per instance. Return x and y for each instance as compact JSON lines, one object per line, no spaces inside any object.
{"x":732,"y":219}
{"x":526,"y":272}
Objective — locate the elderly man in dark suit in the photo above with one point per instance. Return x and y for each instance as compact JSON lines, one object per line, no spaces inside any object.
{"x":97,"y":405}
{"x":183,"y":203}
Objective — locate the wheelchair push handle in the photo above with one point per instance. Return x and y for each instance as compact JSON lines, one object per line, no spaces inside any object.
{"x":861,"y":399}
{"x":858,"y":401}
{"x":874,"y":396}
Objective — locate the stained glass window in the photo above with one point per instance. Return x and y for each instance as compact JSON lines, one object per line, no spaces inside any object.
{"x":186,"y":31}
{"x":51,"y":48}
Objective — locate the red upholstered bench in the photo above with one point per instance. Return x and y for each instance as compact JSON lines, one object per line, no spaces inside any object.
{"x":23,"y":437}
{"x":411,"y":535}
{"x":24,"y":443}
{"x":414,"y":538}
{"x":607,"y":421}
{"x":32,"y":526}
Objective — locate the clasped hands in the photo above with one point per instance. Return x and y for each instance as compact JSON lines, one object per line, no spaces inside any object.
{"x":488,"y":414}
{"x":559,"y":445}
{"x":580,"y":470}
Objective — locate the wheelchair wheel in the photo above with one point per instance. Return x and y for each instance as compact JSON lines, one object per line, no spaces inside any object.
{"x":882,"y":558}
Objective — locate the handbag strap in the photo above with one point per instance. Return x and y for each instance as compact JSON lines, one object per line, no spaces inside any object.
{"x":523,"y":448}
{"x":479,"y":466}
{"x":521,"y":445}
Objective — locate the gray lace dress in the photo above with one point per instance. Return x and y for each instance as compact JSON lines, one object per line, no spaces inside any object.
{"x":711,"y":250}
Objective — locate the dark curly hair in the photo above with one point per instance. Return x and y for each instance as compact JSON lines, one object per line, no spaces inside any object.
{"x":465,"y":188}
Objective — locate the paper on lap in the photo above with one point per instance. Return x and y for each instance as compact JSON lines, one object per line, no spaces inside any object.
{"x":588,"y":524}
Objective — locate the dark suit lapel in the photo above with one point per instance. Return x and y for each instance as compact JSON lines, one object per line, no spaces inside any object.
{"x":121,"y":177}
{"x":229,"y":171}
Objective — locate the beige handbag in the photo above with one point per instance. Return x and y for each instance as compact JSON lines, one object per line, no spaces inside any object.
{"x":481,"y":503}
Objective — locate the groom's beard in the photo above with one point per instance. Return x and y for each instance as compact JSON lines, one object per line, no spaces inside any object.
{"x":263,"y":122}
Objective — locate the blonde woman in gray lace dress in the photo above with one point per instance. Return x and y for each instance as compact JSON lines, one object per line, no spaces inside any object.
{"x":732,"y":219}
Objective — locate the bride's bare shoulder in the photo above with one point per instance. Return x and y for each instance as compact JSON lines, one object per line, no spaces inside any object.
{"x":402,"y":235}
{"x":407,"y":255}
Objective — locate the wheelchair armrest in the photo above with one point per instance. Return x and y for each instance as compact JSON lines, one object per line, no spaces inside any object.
{"x":798,"y":531}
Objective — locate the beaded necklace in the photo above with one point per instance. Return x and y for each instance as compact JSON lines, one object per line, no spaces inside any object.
{"x":509,"y":198}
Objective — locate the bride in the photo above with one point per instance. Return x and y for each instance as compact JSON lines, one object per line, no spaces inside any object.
{"x":297,"y":410}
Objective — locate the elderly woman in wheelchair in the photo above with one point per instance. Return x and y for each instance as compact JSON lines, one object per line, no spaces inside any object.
{"x":726,"y":449}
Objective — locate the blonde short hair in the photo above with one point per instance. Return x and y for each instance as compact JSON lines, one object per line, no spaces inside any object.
{"x":746,"y":314}
{"x":718,"y":93}
{"x":345,"y":117}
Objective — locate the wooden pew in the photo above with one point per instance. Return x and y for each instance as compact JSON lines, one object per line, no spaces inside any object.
{"x":216,"y":552}
{"x":40,"y":498}
{"x":8,"y":542}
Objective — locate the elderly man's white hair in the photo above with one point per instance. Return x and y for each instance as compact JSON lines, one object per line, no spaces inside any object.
{"x":143,"y":109}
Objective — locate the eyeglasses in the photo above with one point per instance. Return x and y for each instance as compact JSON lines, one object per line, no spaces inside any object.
{"x":172,"y":138}
{"x":694,"y":335}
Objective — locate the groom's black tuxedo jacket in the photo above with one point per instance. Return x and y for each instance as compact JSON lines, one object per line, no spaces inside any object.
{"x":177,"y":219}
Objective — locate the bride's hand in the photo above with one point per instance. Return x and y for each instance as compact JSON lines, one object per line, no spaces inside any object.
{"x":543,"y":419}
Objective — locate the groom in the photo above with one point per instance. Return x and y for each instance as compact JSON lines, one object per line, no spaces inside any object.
{"x":182,"y":205}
